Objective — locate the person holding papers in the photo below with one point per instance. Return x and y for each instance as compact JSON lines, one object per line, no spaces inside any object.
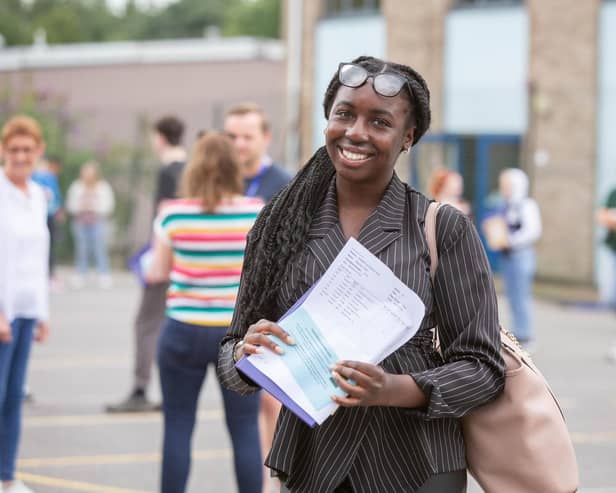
{"x":397,"y":425}
{"x":199,"y":247}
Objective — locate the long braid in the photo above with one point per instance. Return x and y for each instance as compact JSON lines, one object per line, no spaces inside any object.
{"x":280,"y":232}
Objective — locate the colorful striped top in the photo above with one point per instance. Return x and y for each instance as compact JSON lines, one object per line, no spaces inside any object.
{"x":208,"y":252}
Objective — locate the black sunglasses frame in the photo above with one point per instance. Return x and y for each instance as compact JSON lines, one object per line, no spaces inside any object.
{"x":404,"y":81}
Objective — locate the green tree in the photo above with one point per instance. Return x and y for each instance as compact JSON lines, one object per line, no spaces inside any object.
{"x":69,"y":21}
{"x":254,"y":18}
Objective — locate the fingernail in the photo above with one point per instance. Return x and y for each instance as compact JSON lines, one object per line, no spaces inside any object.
{"x":279,"y":350}
{"x":259,"y":350}
{"x":334,"y":374}
{"x":290,"y":341}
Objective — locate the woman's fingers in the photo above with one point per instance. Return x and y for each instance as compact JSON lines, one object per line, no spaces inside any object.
{"x":268,"y":327}
{"x":362,"y":382}
{"x":257,"y":338}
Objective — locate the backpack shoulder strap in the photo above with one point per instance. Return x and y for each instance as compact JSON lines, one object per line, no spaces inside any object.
{"x":430,"y":232}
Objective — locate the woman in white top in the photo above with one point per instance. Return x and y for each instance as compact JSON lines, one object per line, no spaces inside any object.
{"x":24,"y":308}
{"x":523,"y":222}
{"x":90,"y":201}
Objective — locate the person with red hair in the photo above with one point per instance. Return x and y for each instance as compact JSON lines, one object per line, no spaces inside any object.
{"x":447,"y":186}
{"x":24,"y":297}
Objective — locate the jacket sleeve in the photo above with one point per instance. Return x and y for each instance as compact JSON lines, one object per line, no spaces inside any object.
{"x":467,"y":319}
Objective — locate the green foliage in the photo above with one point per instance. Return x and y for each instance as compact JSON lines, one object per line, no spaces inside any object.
{"x":68,"y":21}
{"x":254,"y":18}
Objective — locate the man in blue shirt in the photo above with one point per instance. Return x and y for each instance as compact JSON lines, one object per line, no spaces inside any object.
{"x":250,"y":130}
{"x":47,"y":176}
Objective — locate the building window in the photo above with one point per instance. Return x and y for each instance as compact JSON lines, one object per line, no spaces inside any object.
{"x":351,"y":7}
{"x":485,"y":3}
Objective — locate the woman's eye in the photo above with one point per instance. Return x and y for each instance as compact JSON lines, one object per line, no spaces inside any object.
{"x":379,"y":122}
{"x":343,"y":114}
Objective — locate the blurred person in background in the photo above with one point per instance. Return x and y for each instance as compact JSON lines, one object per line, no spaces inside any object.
{"x":47,"y":175}
{"x":167,"y":136}
{"x":249,"y":128}
{"x":24,"y":304}
{"x":521,"y":228}
{"x":447,"y":187}
{"x":90,"y":202}
{"x":199,"y":246}
{"x":606,"y":217}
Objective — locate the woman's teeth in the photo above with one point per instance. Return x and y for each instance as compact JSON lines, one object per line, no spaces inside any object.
{"x":353,"y":156}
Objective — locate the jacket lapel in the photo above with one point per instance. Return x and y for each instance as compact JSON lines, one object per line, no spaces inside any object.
{"x":381,"y":229}
{"x":384,"y":225}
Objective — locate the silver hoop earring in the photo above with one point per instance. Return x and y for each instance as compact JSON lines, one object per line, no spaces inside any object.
{"x":406,"y":150}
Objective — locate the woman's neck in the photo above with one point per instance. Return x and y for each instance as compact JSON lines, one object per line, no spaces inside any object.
{"x":22,"y":184}
{"x":359,"y":195}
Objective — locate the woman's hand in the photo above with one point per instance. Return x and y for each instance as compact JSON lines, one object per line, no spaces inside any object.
{"x":369,"y":385}
{"x":5,"y":331}
{"x":42,"y":332}
{"x":365,"y":384}
{"x":256,"y":339}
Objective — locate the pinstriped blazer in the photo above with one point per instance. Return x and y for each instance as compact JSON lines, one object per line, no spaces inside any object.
{"x":386,"y":449}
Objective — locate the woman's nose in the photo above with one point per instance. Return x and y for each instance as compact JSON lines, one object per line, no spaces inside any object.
{"x":356,"y":131}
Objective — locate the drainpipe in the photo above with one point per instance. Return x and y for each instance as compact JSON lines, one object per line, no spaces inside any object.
{"x":294,"y":76}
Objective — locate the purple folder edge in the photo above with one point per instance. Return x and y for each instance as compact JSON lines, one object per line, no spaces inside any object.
{"x":267,"y":384}
{"x":134,"y":264}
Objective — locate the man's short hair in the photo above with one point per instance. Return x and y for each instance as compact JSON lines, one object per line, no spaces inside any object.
{"x":21,"y":125}
{"x":247,"y":108}
{"x":171,"y":128}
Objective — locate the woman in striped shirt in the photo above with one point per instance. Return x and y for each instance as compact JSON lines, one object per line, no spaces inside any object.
{"x":199,"y":247}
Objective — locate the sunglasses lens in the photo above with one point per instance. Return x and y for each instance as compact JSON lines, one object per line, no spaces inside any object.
{"x":388,"y":84}
{"x":352,"y":75}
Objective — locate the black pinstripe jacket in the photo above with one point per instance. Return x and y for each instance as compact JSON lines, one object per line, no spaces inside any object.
{"x":386,"y":449}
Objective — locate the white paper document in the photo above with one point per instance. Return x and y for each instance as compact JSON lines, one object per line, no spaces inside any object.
{"x":358,"y":310}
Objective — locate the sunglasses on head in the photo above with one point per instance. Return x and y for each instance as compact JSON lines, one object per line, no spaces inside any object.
{"x":388,"y":84}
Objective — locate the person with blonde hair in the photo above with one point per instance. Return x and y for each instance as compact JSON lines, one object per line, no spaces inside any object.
{"x":90,"y":201}
{"x":24,"y":298}
{"x":199,"y":248}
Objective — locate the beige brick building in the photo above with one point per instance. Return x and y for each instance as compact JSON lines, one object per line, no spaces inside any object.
{"x":522,"y":75}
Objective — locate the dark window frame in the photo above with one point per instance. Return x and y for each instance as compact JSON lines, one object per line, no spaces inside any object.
{"x":478,"y":4}
{"x":347,"y":8}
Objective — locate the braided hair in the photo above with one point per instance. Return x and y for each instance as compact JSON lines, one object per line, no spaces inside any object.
{"x":280,"y":232}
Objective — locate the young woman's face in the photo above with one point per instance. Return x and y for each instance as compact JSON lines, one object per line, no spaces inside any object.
{"x":366,"y":133}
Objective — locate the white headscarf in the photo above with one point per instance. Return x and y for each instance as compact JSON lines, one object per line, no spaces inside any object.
{"x":518,"y":181}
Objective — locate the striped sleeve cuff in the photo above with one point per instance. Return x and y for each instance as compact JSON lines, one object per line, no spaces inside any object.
{"x":229,"y":375}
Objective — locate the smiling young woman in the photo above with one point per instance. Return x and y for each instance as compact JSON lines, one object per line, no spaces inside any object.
{"x":398,"y":427}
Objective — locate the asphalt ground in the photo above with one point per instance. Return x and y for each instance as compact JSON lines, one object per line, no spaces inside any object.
{"x":70,"y":445}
